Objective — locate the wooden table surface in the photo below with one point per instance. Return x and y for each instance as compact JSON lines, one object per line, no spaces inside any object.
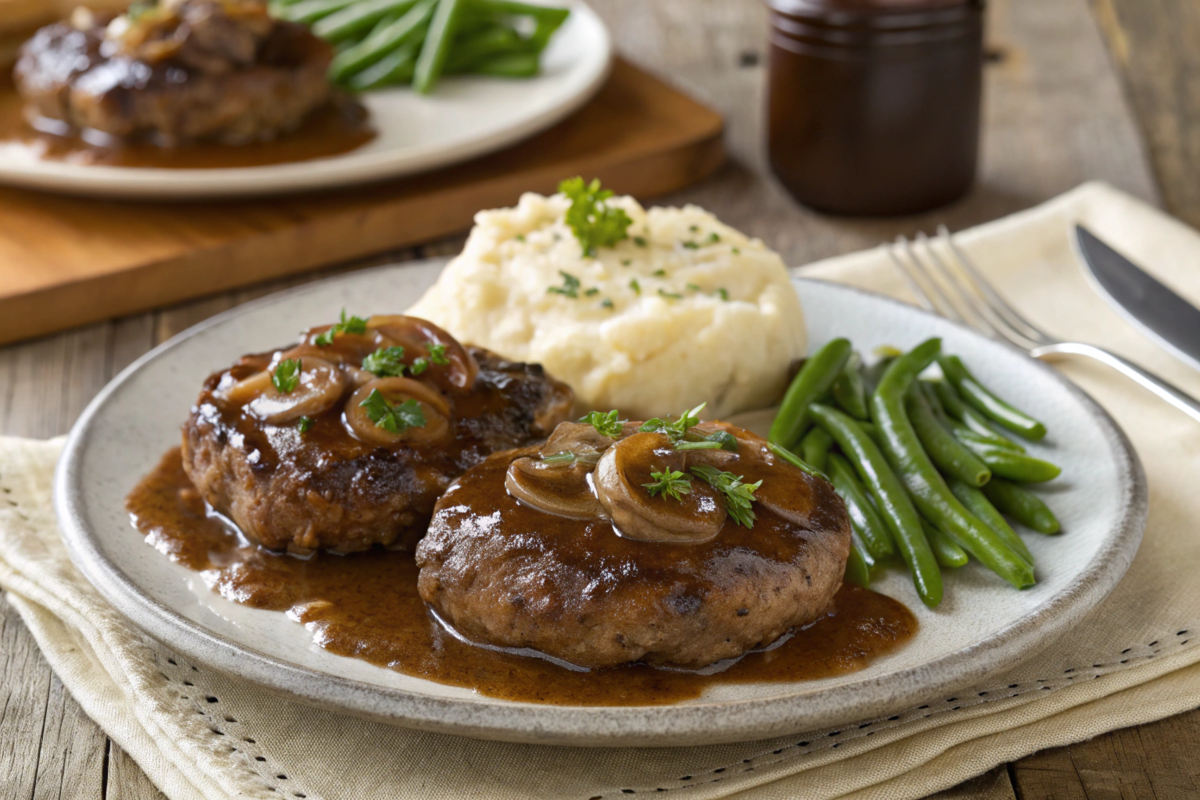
{"x":1076,"y":90}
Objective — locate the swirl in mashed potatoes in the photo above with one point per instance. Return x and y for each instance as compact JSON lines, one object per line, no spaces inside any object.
{"x":686,"y":310}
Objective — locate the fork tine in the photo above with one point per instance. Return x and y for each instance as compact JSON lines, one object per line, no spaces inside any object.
{"x":987,"y":318}
{"x":1021,"y":325}
{"x":918,"y":291}
{"x":936,"y":299}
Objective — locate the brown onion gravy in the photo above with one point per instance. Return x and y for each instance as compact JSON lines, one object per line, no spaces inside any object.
{"x":331,"y":130}
{"x":366,"y":606}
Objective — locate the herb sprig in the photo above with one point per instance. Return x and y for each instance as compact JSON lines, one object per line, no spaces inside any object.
{"x":346,"y":325}
{"x":739,"y":496}
{"x":286,"y":376}
{"x":669,"y":483}
{"x":394,"y":419}
{"x":386,"y":362}
{"x":683,"y":438}
{"x":594,"y":223}
{"x":605,"y":424}
{"x":569,"y":288}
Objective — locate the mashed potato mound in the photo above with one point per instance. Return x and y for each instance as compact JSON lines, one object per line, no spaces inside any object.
{"x":686,"y":310}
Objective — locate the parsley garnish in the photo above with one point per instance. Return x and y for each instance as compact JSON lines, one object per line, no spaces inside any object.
{"x":693,"y":228}
{"x":625,"y":262}
{"x":305,"y":424}
{"x":394,"y":419}
{"x":351,"y":325}
{"x":567,"y":458}
{"x":669,"y":483}
{"x":606,"y":303}
{"x":590,"y":218}
{"x":683,"y":438}
{"x":286,"y":376}
{"x":723,"y":293}
{"x":520,"y":237}
{"x":605,"y":424}
{"x":660,"y":273}
{"x":713,"y":237}
{"x":692,"y":287}
{"x":418,"y":366}
{"x":640,"y":241}
{"x":735,"y":251}
{"x":690,"y":245}
{"x":739,"y":496}
{"x":437,"y":353}
{"x":592,"y":292}
{"x":670,"y":295}
{"x":386,"y":362}
{"x":570,"y":287}
{"x":637,"y":287}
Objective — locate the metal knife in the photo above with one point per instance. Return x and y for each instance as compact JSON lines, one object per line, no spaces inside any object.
{"x":1160,"y":313}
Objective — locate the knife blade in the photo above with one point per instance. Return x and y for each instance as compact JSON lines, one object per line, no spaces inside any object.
{"x":1160,"y":313}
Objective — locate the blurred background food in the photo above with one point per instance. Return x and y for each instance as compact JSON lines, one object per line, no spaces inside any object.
{"x":20,"y":18}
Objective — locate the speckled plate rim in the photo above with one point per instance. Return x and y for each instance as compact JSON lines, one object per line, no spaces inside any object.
{"x":679,"y":725}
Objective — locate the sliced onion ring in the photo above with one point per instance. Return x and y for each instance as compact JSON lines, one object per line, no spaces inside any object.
{"x":319,"y":386}
{"x":395,"y":391}
{"x":414,"y":335}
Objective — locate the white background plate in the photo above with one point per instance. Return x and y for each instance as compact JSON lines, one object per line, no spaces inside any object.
{"x":982,"y":626}
{"x":464,"y":117}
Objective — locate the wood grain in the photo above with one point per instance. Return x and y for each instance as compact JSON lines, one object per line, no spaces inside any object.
{"x":66,"y":260}
{"x":1056,"y":115}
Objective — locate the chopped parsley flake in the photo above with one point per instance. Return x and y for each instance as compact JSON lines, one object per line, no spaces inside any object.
{"x":304,"y":425}
{"x":713,"y":237}
{"x":286,"y":376}
{"x":351,"y":325}
{"x":690,"y":245}
{"x":735,"y":251}
{"x":722,"y":293}
{"x":394,"y":419}
{"x":592,"y":292}
{"x":418,"y":366}
{"x":386,"y":362}
{"x":640,"y":241}
{"x":520,"y":237}
{"x":693,"y":228}
{"x":693,"y":287}
{"x":669,"y":483}
{"x":606,"y":303}
{"x":591,"y":219}
{"x":570,"y":287}
{"x":660,"y":273}
{"x":437,"y":353}
{"x":670,"y":295}
{"x":605,"y":424}
{"x":625,"y":262}
{"x":637,"y":287}
{"x":739,"y":496}
{"x":684,"y":438}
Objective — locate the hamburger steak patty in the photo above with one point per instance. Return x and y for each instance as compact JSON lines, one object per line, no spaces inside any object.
{"x":311,"y":468}
{"x":181,"y":70}
{"x":504,"y":572}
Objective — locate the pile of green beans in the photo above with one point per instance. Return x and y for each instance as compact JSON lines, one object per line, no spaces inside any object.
{"x":393,"y":42}
{"x":922,"y":463}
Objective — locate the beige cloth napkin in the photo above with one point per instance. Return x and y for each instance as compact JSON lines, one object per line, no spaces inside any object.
{"x":201,"y":734}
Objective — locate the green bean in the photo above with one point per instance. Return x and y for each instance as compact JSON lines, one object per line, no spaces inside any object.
{"x":812,"y":381}
{"x":434,"y":52}
{"x":950,"y":455}
{"x":969,"y":436}
{"x":873,"y":373}
{"x":858,"y":565}
{"x":896,"y":507}
{"x":957,"y":409}
{"x":395,"y":68}
{"x":1022,"y":505}
{"x":358,"y":18}
{"x":945,"y":550}
{"x":309,"y":11}
{"x":863,"y":514}
{"x":388,"y":37}
{"x":814,"y":447}
{"x":508,"y":7}
{"x":929,"y":490}
{"x":848,"y":390}
{"x":1013,"y":465}
{"x":470,"y":51}
{"x":991,"y":406}
{"x":978,"y":504}
{"x":795,"y":460}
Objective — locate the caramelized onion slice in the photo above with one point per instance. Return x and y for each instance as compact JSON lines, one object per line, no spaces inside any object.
{"x":319,"y":387}
{"x":623,"y":469}
{"x":414,"y":335}
{"x":554,"y":489}
{"x":396,"y":391}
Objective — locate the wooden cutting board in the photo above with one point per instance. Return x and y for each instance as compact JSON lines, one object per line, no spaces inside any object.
{"x":68,"y":261}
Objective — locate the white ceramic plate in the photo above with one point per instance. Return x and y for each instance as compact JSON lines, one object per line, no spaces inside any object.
{"x":982,"y":626}
{"x":464,"y":117}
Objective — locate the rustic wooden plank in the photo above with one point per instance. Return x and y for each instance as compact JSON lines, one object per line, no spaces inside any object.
{"x":126,"y":781}
{"x":991,"y":785}
{"x":71,"y":758}
{"x":24,"y":694}
{"x":1153,"y":43}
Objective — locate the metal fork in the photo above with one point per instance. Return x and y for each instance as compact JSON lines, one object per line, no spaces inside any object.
{"x":955,"y":288}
